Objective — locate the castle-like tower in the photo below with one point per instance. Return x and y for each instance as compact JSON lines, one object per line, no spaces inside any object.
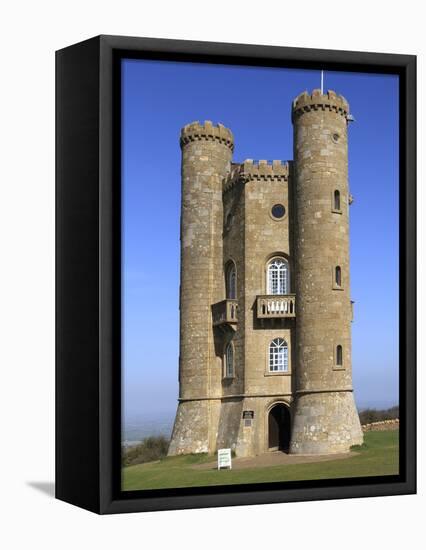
{"x":206,"y":161}
{"x":325,"y":417}
{"x":265,"y":309}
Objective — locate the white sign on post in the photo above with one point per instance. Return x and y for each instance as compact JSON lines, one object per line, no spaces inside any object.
{"x":224,"y":459}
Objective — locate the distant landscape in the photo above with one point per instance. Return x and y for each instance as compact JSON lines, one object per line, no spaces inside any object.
{"x":137,"y":427}
{"x":367,"y":416}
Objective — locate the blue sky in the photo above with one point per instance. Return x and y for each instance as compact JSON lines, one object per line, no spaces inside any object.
{"x":161,"y":97}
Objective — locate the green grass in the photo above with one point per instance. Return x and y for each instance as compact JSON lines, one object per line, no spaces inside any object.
{"x":376,"y":457}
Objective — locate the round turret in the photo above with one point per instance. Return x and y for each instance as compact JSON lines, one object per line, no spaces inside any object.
{"x":206,"y":132}
{"x":330,"y":101}
{"x":206,"y":161}
{"x":325,"y":418}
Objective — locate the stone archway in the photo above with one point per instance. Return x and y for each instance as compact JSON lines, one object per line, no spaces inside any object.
{"x":279,"y":428}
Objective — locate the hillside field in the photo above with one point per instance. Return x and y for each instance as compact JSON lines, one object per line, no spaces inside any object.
{"x":377,"y":457}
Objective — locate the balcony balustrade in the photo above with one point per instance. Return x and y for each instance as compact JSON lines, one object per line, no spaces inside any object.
{"x":279,"y":306}
{"x":225,"y":313}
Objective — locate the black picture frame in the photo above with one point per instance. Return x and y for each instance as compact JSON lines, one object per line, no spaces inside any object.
{"x":88,"y":285}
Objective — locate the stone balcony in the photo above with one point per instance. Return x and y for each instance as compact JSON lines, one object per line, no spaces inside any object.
{"x":279,"y":306}
{"x":225,"y":313}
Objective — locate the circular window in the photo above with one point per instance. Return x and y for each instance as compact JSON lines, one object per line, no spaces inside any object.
{"x":335,"y":138}
{"x":278,"y":211}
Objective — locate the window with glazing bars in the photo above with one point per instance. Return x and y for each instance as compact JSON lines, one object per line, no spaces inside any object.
{"x":278,"y":276}
{"x":278,"y":355}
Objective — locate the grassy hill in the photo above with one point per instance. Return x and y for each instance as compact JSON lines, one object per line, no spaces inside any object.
{"x":378,"y":456}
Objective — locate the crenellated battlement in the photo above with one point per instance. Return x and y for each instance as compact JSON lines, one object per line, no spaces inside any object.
{"x":207,"y":131}
{"x":264,"y":170}
{"x":330,"y":101}
{"x":260,"y":170}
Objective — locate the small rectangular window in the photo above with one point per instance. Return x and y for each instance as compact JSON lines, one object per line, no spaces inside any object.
{"x":339,"y":356}
{"x":338,"y":276}
{"x":336,"y":202}
{"x":229,"y":361}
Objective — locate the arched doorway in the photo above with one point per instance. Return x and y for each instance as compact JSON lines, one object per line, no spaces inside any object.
{"x":279,"y":428}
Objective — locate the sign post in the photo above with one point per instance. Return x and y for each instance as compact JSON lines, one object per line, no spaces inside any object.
{"x":224,"y":459}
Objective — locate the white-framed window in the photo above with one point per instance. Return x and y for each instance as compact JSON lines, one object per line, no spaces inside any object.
{"x":229,"y":360}
{"x":278,"y":355}
{"x":278,"y":276}
{"x":231,"y":281}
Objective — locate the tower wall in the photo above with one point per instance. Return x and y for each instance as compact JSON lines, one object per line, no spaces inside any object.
{"x":233,"y":250}
{"x":325,"y":417}
{"x":206,"y":160}
{"x":265,"y":238}
{"x":251,"y":237}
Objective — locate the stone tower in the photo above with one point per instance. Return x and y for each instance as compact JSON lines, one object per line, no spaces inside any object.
{"x":325,"y":418}
{"x":206,"y":161}
{"x":265,"y":310}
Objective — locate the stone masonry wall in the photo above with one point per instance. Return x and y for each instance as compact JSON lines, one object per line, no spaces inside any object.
{"x":381,"y":425}
{"x":325,"y":419}
{"x":251,"y":237}
{"x":206,"y":160}
{"x":226,"y":216}
{"x":233,"y":237}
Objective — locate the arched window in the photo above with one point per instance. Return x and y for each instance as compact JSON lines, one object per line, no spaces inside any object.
{"x":338,"y":275}
{"x":278,"y":276}
{"x":339,"y":356}
{"x":229,"y":361}
{"x":278,"y":355}
{"x":231,"y":281}
{"x":336,"y":200}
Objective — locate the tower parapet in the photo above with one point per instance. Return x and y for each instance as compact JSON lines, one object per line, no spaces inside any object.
{"x":264,"y":170}
{"x":257,"y":170}
{"x":316,"y":101}
{"x":206,"y":131}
